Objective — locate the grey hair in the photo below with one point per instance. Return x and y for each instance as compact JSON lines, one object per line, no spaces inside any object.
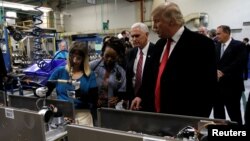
{"x":141,"y":26}
{"x":65,"y":43}
{"x":170,"y":12}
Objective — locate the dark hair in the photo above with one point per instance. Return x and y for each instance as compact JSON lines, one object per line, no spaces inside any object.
{"x":123,"y":32}
{"x":106,"y":38}
{"x":225,"y":29}
{"x":212,"y":33}
{"x":246,"y":39}
{"x":128,"y":45}
{"x":116,"y":44}
{"x":81,"y":48}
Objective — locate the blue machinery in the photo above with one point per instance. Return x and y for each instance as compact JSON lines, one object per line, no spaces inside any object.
{"x":6,"y":51}
{"x":41,"y":69}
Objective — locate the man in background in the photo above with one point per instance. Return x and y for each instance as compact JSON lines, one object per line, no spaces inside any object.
{"x":62,"y":53}
{"x":231,"y":60}
{"x":125,"y":35}
{"x":203,"y":30}
{"x":212,"y":35}
{"x":246,"y":42}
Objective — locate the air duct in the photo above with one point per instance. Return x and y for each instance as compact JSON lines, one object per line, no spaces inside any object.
{"x":198,"y":19}
{"x":59,"y":21}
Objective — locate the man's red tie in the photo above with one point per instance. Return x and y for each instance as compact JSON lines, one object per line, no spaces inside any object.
{"x":161,"y":69}
{"x":138,"y":74}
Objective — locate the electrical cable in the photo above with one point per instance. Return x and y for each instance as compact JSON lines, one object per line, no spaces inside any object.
{"x":38,"y":52}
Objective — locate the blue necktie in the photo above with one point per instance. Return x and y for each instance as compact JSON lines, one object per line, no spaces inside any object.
{"x":222,"y":49}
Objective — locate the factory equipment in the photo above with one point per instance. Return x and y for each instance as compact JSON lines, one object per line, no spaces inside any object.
{"x":55,"y":115}
{"x":75,"y":132}
{"x":38,"y":75}
{"x":25,"y":125}
{"x":157,"y":124}
{"x":21,"y":125}
{"x":35,"y":104}
{"x":31,"y":77}
{"x":94,"y":42}
{"x":3,"y":99}
{"x":14,"y":78}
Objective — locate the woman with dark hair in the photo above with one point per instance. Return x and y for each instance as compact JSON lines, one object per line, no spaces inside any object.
{"x":81,"y":82}
{"x":110,"y":76}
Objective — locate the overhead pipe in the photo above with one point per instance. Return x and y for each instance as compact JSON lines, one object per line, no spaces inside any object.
{"x":142,"y":10}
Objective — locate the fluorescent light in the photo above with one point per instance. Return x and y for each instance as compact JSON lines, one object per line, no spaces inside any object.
{"x":24,"y":7}
{"x":11,"y":14}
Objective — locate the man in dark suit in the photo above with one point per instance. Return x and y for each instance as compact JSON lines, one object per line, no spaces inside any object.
{"x":3,"y":72}
{"x":246,"y":42}
{"x":188,"y":78}
{"x":136,"y":70}
{"x":231,"y":60}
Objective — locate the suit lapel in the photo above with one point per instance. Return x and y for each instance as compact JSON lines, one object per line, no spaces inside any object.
{"x":134,"y":53}
{"x":181,"y":43}
{"x":228,"y":49}
{"x":149,"y":53}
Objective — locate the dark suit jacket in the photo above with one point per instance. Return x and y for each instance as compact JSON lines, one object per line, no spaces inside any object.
{"x":129,"y":69}
{"x":189,"y":78}
{"x":232,"y":65}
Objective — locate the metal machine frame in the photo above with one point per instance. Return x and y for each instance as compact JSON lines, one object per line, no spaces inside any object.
{"x":34,"y":103}
{"x":156,"y":124}
{"x":77,"y":133}
{"x":3,"y":99}
{"x":21,"y":125}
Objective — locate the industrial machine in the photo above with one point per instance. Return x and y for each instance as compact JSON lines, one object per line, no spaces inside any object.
{"x":75,"y":132}
{"x":36,"y":104}
{"x":35,"y":74}
{"x":3,"y":99}
{"x":156,"y":124}
{"x":25,"y":125}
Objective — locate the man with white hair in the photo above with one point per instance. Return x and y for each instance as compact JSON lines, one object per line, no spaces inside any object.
{"x":203,"y":30}
{"x":138,"y":58}
{"x":62,"y":53}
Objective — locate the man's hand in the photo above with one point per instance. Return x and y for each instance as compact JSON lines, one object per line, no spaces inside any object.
{"x":135,"y":105}
{"x":219,"y":74}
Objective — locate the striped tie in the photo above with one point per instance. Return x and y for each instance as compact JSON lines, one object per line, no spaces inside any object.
{"x":138,"y":75}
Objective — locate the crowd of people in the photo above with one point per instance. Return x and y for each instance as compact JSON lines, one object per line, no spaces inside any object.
{"x":184,"y":72}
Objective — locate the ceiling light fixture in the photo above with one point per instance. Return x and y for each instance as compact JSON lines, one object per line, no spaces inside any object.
{"x":24,"y":7}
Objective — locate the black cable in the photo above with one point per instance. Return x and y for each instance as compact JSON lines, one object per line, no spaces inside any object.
{"x":37,"y":33}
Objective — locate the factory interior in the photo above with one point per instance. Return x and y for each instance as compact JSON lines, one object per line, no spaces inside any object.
{"x":31,"y":35}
